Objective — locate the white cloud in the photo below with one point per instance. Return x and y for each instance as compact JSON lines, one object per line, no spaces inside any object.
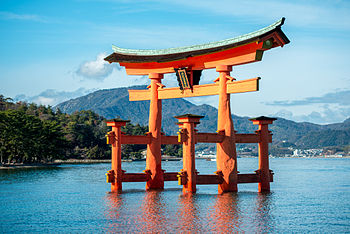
{"x":324,"y":115}
{"x":331,"y":107}
{"x":341,"y":97}
{"x":15,"y":16}
{"x":97,"y":69}
{"x":53,"y":97}
{"x":44,"y":100}
{"x":284,"y":114}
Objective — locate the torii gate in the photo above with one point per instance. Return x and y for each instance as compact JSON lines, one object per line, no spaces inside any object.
{"x":188,"y":63}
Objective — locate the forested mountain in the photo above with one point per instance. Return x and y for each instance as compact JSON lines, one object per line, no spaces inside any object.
{"x":113,"y":103}
{"x":31,"y":133}
{"x":35,"y":133}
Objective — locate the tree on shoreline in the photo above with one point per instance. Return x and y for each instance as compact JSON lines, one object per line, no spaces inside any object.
{"x":27,"y":139}
{"x":31,"y":133}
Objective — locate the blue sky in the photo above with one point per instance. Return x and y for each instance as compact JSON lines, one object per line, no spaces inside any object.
{"x":52,"y":50}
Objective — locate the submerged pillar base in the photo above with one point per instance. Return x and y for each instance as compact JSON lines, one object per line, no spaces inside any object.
{"x":154,"y":154}
{"x":187,"y":123}
{"x":226,"y":157}
{"x":265,"y":137}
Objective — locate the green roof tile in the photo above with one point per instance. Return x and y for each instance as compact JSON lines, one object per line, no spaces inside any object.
{"x":230,"y":41}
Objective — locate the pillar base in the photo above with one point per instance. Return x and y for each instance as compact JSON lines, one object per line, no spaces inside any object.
{"x":227,"y":188}
{"x":157,"y":182}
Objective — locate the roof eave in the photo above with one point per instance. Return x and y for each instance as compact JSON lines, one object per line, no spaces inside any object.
{"x":133,"y":57}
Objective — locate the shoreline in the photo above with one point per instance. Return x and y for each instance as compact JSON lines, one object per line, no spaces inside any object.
{"x":95,"y":161}
{"x":82,"y":161}
{"x":27,"y":166}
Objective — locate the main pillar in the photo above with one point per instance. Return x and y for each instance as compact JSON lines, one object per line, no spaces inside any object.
{"x":187,"y":124}
{"x":154,"y":154}
{"x":226,"y":157}
{"x":264,"y":169}
{"x":114,"y":138}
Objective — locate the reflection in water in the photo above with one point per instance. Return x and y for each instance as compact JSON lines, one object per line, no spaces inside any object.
{"x":153,"y":217}
{"x":159,"y":211}
{"x":188,"y":214}
{"x":113,"y":213}
{"x":115,"y":203}
{"x":263,"y":217}
{"x":136,"y":211}
{"x":226,"y":215}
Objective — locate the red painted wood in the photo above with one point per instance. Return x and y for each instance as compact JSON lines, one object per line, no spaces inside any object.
{"x":154,"y":155}
{"x":170,"y":140}
{"x":264,"y":169}
{"x":247,"y":138}
{"x":200,"y":62}
{"x":116,"y":186}
{"x":128,"y":139}
{"x":209,"y":137}
{"x":209,"y":179}
{"x":226,"y":156}
{"x":136,"y":177}
{"x":248,"y":178}
{"x":170,"y":176}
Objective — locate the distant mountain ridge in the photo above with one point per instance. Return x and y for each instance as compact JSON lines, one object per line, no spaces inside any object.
{"x":111,"y":103}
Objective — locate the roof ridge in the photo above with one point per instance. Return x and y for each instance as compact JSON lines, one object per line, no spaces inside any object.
{"x":183,"y":49}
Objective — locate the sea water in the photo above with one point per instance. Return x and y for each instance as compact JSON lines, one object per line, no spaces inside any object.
{"x":307,"y":195}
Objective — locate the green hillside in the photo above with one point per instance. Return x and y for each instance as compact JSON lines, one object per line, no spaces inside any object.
{"x":113,"y":103}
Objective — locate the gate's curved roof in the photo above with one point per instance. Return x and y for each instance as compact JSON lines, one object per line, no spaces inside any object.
{"x":173,"y":54}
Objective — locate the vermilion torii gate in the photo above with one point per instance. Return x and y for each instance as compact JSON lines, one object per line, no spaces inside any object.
{"x":188,"y":63}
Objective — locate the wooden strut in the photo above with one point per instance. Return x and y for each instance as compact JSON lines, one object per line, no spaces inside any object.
{"x":201,"y":137}
{"x":188,"y":177}
{"x":242,"y":86}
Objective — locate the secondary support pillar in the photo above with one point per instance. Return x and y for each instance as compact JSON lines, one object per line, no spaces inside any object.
{"x":154,"y":154}
{"x":226,"y":157}
{"x":187,"y":123}
{"x":265,"y":137}
{"x":114,"y":138}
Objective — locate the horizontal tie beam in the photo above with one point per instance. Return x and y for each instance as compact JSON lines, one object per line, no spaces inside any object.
{"x":138,"y":140}
{"x":209,"y":179}
{"x":247,"y":138}
{"x":239,"y":138}
{"x":247,"y":178}
{"x":200,"y":137}
{"x":170,"y":140}
{"x":209,"y":137}
{"x":241,"y":86}
{"x":241,"y":179}
{"x":135,"y":177}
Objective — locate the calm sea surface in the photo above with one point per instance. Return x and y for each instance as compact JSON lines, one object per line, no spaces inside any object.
{"x":308,"y":195}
